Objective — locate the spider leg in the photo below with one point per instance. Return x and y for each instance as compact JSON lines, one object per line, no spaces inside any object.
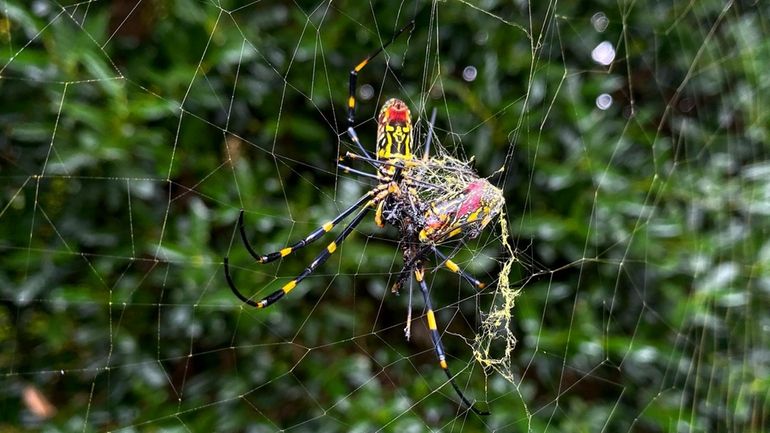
{"x":313,"y":236}
{"x":373,"y":162}
{"x":319,"y":260}
{"x":402,"y":277}
{"x":406,"y":271}
{"x":354,"y":73}
{"x":419,"y":275}
{"x":454,"y":267}
{"x":400,"y":165}
{"x":347,"y":169}
{"x":378,"y":214}
{"x":353,"y":136}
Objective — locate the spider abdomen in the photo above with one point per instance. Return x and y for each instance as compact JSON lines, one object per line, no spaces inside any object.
{"x":466,"y":213}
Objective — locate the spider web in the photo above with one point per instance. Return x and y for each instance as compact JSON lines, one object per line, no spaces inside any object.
{"x":628,"y":274}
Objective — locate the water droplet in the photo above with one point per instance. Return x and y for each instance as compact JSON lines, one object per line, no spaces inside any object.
{"x":469,"y":73}
{"x":366,"y":92}
{"x":481,"y":37}
{"x":41,"y":8}
{"x":604,"y":101}
{"x":604,"y":53}
{"x":600,"y":22}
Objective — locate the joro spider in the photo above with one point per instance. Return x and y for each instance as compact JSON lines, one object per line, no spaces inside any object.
{"x":428,"y":199}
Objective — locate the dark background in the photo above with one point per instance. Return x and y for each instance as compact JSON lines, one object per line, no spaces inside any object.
{"x":133,"y":132}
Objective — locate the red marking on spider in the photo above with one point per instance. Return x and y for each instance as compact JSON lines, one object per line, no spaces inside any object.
{"x":395,"y":111}
{"x":397,"y":116}
{"x":474,"y":192}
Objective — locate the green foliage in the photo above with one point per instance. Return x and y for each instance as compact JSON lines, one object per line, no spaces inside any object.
{"x":131,"y":137}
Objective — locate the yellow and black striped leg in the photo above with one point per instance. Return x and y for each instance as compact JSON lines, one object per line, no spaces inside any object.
{"x":313,"y":236}
{"x":419,"y":275}
{"x":319,"y":260}
{"x":454,"y":267}
{"x":354,"y":73}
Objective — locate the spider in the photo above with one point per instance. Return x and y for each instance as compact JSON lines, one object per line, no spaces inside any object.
{"x":428,"y":199}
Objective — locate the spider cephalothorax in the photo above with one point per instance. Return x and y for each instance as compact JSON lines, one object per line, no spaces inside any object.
{"x":430,"y":200}
{"x":394,"y":131}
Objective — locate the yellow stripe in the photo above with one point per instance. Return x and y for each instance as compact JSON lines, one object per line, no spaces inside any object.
{"x":289,"y":286}
{"x":443,"y":364}
{"x":452,"y":266}
{"x":431,"y":320}
{"x":473,"y":216}
{"x":419,"y":274}
{"x":408,"y":147}
{"x":285,"y":252}
{"x":328,"y":226}
{"x":378,"y":215}
{"x":487,"y":218}
{"x":361,"y":65}
{"x":351,"y":102}
{"x":455,"y":232}
{"x":332,"y":247}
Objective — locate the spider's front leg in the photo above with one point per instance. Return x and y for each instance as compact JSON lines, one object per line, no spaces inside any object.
{"x":354,"y":73}
{"x":312,"y":237}
{"x":379,"y":193}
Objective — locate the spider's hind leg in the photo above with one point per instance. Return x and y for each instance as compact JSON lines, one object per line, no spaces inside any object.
{"x":419,"y":274}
